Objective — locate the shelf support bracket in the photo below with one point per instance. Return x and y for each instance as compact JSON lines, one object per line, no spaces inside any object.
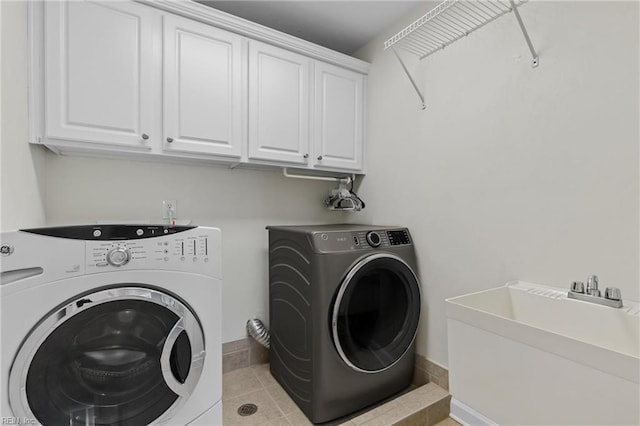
{"x":535,"y":61}
{"x":415,"y":86}
{"x":347,"y":179}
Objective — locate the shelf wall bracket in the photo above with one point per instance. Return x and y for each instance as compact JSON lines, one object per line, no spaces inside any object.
{"x":347,"y":179}
{"x":415,"y":86}
{"x":536,"y":60}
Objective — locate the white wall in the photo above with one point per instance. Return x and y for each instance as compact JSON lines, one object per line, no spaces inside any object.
{"x":75,"y":190}
{"x":511,"y":172}
{"x":240,"y":202}
{"x":22,"y":175}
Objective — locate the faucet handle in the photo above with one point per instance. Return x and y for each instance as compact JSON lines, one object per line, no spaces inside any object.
{"x":577,"y":287}
{"x":612,"y":293}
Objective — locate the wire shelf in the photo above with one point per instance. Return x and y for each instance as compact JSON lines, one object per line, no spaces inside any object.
{"x":448,"y":22}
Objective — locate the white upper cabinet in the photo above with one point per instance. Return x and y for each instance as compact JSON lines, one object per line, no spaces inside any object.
{"x":279,"y":114}
{"x":99,"y":67}
{"x":202,"y":83}
{"x":180,"y":80}
{"x":338,"y":117}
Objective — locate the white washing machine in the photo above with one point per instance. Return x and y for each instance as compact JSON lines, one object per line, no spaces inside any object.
{"x":111,"y":324}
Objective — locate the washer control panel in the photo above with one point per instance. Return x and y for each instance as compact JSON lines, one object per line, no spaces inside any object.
{"x":195,"y":249}
{"x":170,"y":249}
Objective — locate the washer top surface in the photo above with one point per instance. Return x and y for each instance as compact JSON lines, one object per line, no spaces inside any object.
{"x":108,"y":232}
{"x":52,"y":253}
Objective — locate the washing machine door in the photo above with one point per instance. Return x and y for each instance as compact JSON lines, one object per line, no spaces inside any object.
{"x":125,"y":356}
{"x":376,"y":313}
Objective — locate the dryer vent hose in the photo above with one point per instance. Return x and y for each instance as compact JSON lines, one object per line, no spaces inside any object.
{"x":259,"y":332}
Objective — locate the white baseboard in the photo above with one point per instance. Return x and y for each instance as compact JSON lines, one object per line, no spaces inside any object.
{"x":467,"y":416}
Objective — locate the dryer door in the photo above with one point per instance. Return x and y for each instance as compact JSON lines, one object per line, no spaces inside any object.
{"x":376,"y":313}
{"x":125,"y":356}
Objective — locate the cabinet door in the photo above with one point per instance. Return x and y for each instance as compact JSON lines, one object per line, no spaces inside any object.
{"x":202,"y":88}
{"x":338,"y":117}
{"x":98,"y":80}
{"x":278,"y":104}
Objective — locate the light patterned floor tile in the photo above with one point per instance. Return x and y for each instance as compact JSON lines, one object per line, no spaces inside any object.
{"x":298,"y":418}
{"x":239,"y":382}
{"x":280,"y":421}
{"x":418,"y":418}
{"x":376,"y":412}
{"x":282,"y":399}
{"x":267,"y":409}
{"x":388,"y":418}
{"x":422,"y":397}
{"x":264,"y":375}
{"x":448,"y":422}
{"x":256,"y":384}
{"x":439,"y":411}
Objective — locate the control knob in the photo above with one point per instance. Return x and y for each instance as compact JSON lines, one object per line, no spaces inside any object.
{"x":373,"y":238}
{"x":118,"y":256}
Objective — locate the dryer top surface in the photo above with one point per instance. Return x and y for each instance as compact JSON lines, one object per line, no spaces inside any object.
{"x":338,"y":227}
{"x":340,"y":238}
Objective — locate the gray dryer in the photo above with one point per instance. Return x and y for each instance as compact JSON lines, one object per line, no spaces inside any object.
{"x":344,"y":306}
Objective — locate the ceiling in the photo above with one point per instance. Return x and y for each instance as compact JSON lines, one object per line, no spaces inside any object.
{"x":342,"y":25}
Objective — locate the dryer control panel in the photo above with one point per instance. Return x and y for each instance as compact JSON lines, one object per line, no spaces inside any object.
{"x":336,"y":241}
{"x":398,"y":237}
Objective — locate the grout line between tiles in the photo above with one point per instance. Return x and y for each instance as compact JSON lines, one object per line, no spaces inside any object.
{"x":274,"y":401}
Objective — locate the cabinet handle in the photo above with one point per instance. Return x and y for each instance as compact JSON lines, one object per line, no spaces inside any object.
{"x":305,"y":156}
{"x":145,"y":136}
{"x":169,"y":140}
{"x":319,"y":157}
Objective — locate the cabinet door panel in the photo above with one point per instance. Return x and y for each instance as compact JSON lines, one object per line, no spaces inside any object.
{"x":278,"y":104}
{"x":98,"y":72}
{"x":202,"y":88}
{"x":339,"y":117}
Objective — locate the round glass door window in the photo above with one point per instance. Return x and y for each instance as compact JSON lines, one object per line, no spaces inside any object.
{"x":376,"y":313}
{"x":108,"y":363}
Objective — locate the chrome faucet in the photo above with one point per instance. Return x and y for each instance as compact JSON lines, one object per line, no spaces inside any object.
{"x":612,"y":295}
{"x":592,"y":286}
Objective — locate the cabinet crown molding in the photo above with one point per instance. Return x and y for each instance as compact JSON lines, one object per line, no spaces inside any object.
{"x":211,"y":16}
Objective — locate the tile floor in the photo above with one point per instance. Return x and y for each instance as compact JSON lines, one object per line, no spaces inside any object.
{"x":256,"y":385}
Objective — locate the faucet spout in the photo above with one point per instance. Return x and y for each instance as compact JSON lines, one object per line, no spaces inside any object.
{"x":592,"y":286}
